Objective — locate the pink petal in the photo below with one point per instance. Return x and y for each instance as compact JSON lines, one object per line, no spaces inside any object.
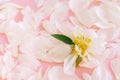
{"x":101,"y":73}
{"x":115,"y":65}
{"x":60,"y":74}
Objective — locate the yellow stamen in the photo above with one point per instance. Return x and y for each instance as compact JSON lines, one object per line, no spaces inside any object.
{"x":74,"y":51}
{"x":82,"y":44}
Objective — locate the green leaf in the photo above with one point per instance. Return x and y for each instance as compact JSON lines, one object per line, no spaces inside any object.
{"x":63,"y":38}
{"x":78,"y":60}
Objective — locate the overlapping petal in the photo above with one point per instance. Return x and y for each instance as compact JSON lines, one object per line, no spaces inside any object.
{"x":115,"y":65}
{"x":99,"y":73}
{"x":60,"y":74}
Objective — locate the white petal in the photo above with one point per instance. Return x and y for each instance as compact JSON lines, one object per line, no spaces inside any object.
{"x":59,"y":53}
{"x":35,"y":44}
{"x":69,"y":64}
{"x":100,"y":13}
{"x":112,"y":9}
{"x":65,"y":28}
{"x":104,"y":25}
{"x":77,"y":4}
{"x":110,"y":33}
{"x":77,"y":31}
{"x":49,"y":27}
{"x":97,"y":46}
{"x":60,"y":13}
{"x":114,"y":50}
{"x":46,"y":9}
{"x":102,"y":57}
{"x":92,"y":63}
{"x":39,"y":46}
{"x":74,"y":21}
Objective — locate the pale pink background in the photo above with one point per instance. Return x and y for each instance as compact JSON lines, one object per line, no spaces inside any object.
{"x":31,"y":3}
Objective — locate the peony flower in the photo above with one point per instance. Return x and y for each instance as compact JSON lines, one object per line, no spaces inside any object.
{"x":83,"y":49}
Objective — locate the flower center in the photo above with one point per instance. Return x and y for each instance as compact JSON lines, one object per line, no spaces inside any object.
{"x":81,"y":45}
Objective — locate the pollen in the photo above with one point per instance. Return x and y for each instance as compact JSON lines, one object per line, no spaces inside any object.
{"x":81,"y":45}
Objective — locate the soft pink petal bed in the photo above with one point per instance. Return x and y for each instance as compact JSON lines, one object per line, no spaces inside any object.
{"x":104,"y":70}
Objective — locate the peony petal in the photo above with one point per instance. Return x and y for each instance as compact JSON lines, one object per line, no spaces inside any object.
{"x":39,"y":3}
{"x":35,"y":44}
{"x":102,"y":57}
{"x":60,"y":74}
{"x":113,"y":9}
{"x":31,"y":21}
{"x":114,"y":50}
{"x":101,"y":73}
{"x":115,"y":65}
{"x":86,"y":76}
{"x":28,"y":61}
{"x":49,"y":27}
{"x":69,"y":64}
{"x":96,"y":46}
{"x":38,"y":46}
{"x":8,"y":60}
{"x":60,"y":13}
{"x":9,"y":10}
{"x":92,"y":63}
{"x":65,"y":28}
{"x":77,"y":4}
{"x":20,"y":72}
{"x":46,"y":9}
{"x":39,"y":75}
{"x":59,"y":53}
{"x":109,"y":33}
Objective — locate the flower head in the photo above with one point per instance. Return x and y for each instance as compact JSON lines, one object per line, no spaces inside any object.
{"x":82,"y":50}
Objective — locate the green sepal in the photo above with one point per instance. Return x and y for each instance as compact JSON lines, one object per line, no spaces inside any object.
{"x":63,"y":38}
